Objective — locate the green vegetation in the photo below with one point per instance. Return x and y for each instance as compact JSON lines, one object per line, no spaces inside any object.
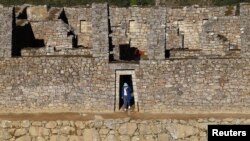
{"x":124,"y":3}
{"x":133,"y":2}
{"x":229,"y":11}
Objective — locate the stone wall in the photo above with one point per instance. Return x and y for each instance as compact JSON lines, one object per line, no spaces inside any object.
{"x":150,"y":29}
{"x":35,"y":52}
{"x":88,"y":84}
{"x":6,"y":19}
{"x":130,"y":26}
{"x":100,"y":30}
{"x":156,"y":36}
{"x":142,"y":28}
{"x":245,"y":29}
{"x":54,"y":34}
{"x":111,"y":129}
{"x":197,"y":85}
{"x":56,"y":84}
{"x":80,"y":20}
{"x":220,"y":35}
{"x":188,"y":22}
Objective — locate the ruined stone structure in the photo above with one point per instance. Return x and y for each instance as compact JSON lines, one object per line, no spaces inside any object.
{"x":75,"y":59}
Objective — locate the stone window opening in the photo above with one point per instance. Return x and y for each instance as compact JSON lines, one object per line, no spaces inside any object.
{"x":83,"y":26}
{"x":128,"y":53}
{"x":182,"y":40}
{"x":132,"y":26}
{"x":167,"y":53}
{"x":204,"y":21}
{"x":127,"y":76}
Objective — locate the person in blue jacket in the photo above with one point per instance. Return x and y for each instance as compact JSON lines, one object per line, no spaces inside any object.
{"x":126,"y":96}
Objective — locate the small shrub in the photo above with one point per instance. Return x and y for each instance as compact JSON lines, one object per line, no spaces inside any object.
{"x":132,"y":2}
{"x":229,"y":11}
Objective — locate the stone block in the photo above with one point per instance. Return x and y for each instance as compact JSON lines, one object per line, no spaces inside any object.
{"x":24,"y":138}
{"x":58,"y":138}
{"x":51,"y":124}
{"x":91,"y":135}
{"x":37,"y":13}
{"x":127,"y":128}
{"x":20,"y":132}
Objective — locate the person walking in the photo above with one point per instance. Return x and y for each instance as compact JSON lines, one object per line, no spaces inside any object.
{"x":126,"y":96}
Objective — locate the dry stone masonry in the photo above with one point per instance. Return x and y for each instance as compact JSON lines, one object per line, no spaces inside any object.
{"x":245,"y":27}
{"x":111,"y":130}
{"x":67,"y":59}
{"x":6,"y":15}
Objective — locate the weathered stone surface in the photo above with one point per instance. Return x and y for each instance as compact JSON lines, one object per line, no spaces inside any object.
{"x":124,"y":138}
{"x":20,"y":132}
{"x":76,"y":138}
{"x":24,"y":138}
{"x":111,"y":138}
{"x":104,"y":131}
{"x":58,"y":138}
{"x":68,"y":130}
{"x":40,"y":139}
{"x":37,"y":13}
{"x":79,"y":124}
{"x":163,"y":137}
{"x":44,"y":131}
{"x":51,"y":124}
{"x":128,"y":128}
{"x":5,"y":135}
{"x":34,"y":131}
{"x":178,"y":131}
{"x":135,"y":138}
{"x":25,"y":123}
{"x":6,"y":15}
{"x":91,"y":135}
{"x":144,"y":129}
{"x":37,"y":123}
{"x":5,"y":124}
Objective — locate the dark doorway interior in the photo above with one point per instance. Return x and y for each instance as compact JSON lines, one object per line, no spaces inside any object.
{"x":126,"y":79}
{"x":129,"y":53}
{"x":167,"y":53}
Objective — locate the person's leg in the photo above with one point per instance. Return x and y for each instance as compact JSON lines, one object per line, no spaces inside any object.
{"x":128,"y":103}
{"x":125,"y":101}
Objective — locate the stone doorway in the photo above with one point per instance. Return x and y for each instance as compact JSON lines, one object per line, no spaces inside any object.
{"x":127,"y":76}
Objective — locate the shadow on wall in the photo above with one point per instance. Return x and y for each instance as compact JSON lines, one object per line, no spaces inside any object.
{"x":24,"y":37}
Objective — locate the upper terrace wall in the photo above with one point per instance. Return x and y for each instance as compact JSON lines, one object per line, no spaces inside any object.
{"x":188,"y":21}
{"x":6,"y":18}
{"x":54,"y":33}
{"x":80,"y":20}
{"x":219,"y":35}
{"x":131,"y":26}
{"x":142,"y":28}
{"x":151,"y":30}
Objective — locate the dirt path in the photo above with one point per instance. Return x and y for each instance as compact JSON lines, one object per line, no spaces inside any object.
{"x":92,"y":116}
